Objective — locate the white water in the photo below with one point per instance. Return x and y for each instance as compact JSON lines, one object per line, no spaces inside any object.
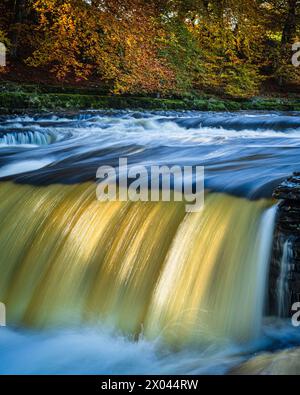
{"x":244,"y":154}
{"x":266,"y":242}
{"x":151,"y":130}
{"x":282,"y":282}
{"x":34,"y":138}
{"x":101,"y":351}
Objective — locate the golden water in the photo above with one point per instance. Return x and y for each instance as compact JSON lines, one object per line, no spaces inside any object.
{"x":67,"y":259}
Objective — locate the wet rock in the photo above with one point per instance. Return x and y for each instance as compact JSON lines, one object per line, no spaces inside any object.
{"x":289,"y":189}
{"x":278,"y":363}
{"x":287,"y":231}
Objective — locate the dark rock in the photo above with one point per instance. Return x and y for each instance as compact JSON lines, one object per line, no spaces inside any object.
{"x":287,"y":231}
{"x":289,"y":189}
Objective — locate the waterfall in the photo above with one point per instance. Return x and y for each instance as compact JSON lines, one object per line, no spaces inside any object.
{"x":283,"y":303}
{"x":143,"y":267}
{"x":26,"y":137}
{"x":214,"y":282}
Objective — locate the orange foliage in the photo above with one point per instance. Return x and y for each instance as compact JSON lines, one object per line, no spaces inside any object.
{"x":112,"y":39}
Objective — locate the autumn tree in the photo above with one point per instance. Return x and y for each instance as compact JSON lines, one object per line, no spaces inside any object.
{"x":181,"y":47}
{"x":116,"y":40}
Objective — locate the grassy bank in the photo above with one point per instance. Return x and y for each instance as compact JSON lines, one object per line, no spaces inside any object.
{"x":25,"y":100}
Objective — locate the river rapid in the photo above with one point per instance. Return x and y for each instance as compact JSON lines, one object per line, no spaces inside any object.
{"x":142,"y":287}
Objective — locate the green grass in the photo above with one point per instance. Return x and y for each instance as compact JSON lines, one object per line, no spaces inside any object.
{"x":19,"y":101}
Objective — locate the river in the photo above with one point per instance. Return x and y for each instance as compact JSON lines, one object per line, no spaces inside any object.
{"x":141,"y":287}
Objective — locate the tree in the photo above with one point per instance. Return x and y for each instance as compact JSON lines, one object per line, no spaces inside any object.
{"x":157,"y":46}
{"x":289,"y":28}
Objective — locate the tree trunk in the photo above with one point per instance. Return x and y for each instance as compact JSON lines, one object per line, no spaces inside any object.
{"x":19,"y":17}
{"x":289,"y":29}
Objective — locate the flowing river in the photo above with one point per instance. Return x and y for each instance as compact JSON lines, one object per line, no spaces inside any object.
{"x":142,"y":287}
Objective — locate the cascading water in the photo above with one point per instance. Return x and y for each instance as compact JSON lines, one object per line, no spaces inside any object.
{"x":28,"y":137}
{"x":133,"y":282}
{"x":195,"y":298}
{"x":283,"y":304}
{"x":70,"y":259}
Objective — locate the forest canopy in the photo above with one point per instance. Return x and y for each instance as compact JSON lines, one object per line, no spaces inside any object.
{"x":229,"y":47}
